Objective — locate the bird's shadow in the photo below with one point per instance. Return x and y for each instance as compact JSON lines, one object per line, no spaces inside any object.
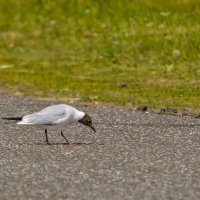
{"x":72,"y":144}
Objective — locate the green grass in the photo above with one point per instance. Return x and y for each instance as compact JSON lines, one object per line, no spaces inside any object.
{"x":84,"y":48}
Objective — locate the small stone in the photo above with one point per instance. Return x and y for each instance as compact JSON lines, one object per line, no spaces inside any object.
{"x":87,"y":34}
{"x":162,"y":110}
{"x":197,"y":116}
{"x":176,"y":53}
{"x":121,"y":85}
{"x":142,"y":108}
{"x":168,"y":110}
{"x":185,"y":112}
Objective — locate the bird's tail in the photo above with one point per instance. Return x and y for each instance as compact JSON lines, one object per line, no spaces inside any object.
{"x":12,"y":118}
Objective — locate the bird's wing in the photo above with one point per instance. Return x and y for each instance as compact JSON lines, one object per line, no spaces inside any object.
{"x":49,"y":116}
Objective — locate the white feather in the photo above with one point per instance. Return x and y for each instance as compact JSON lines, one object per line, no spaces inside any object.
{"x":53,"y":115}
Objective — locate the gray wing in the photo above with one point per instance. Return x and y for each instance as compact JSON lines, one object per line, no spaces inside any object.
{"x":49,"y":116}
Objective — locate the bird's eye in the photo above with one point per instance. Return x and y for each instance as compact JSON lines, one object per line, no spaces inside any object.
{"x":89,"y":120}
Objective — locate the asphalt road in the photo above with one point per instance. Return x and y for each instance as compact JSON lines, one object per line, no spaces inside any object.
{"x":133,"y":155}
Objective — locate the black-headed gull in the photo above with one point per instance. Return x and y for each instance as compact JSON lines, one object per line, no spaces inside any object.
{"x":56,"y":116}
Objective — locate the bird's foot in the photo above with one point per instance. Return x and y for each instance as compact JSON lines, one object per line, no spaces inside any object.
{"x":49,"y":143}
{"x":69,"y":143}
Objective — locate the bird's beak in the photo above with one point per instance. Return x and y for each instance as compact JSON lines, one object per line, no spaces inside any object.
{"x":92,"y":127}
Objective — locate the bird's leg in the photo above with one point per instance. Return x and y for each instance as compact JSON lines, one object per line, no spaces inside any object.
{"x":47,"y":140}
{"x":67,"y":141}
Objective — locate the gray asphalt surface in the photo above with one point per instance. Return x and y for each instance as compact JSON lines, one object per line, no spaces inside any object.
{"x":133,"y":155}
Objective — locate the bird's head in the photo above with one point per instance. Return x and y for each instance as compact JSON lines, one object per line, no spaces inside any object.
{"x":86,"y":120}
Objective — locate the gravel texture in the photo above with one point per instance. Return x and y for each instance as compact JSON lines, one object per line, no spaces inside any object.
{"x":133,"y":155}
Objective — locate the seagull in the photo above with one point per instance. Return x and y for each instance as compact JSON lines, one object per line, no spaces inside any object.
{"x":56,"y":116}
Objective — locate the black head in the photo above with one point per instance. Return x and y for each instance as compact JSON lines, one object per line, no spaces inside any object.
{"x":86,"y":120}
